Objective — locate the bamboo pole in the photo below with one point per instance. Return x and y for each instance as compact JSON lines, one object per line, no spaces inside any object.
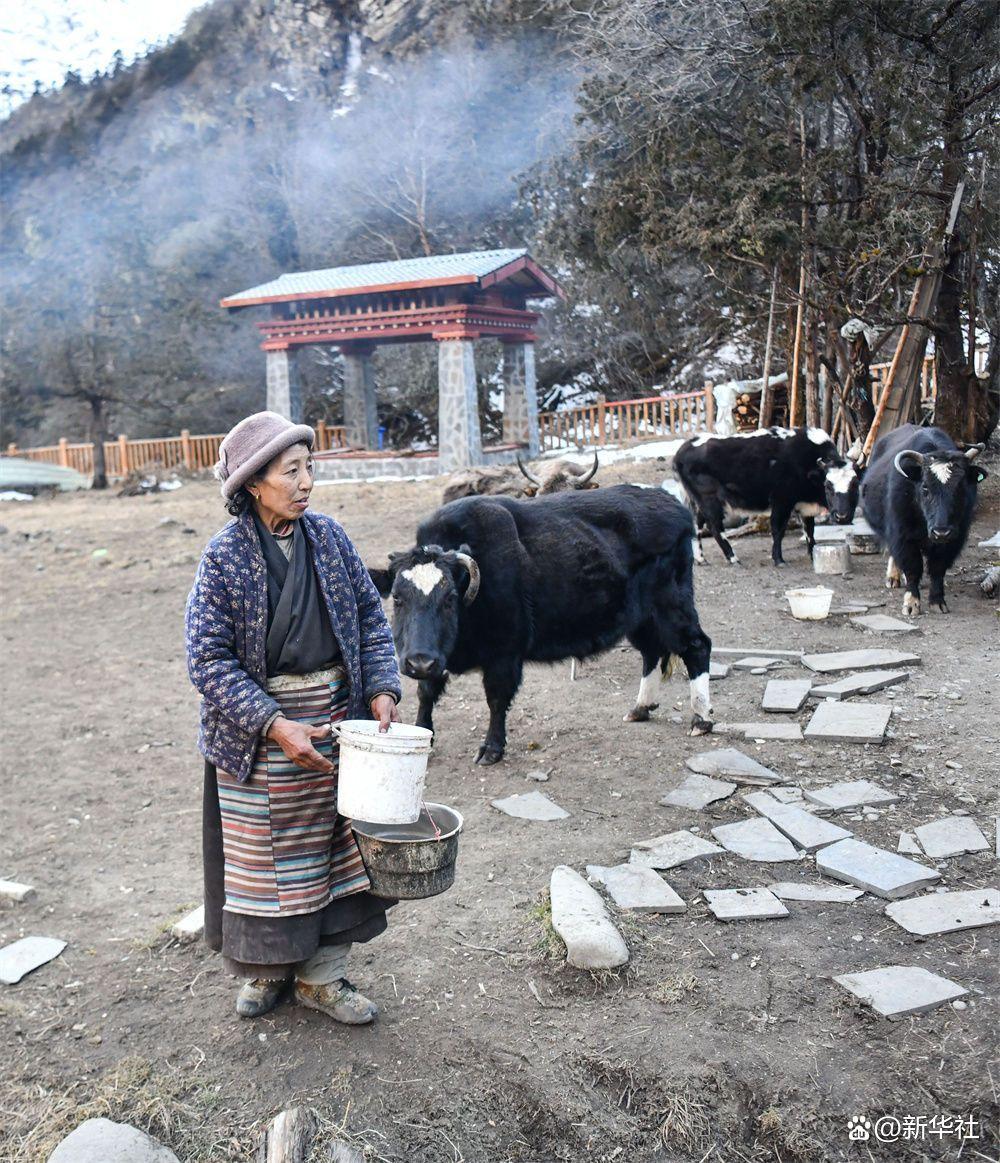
{"x":766,"y":395}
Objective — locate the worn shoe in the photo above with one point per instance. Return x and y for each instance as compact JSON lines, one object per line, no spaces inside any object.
{"x":340,"y":1001}
{"x":258,"y":997}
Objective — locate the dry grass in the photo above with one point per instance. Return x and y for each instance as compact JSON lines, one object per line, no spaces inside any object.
{"x":674,"y":988}
{"x":189,"y":1118}
{"x":548,"y":945}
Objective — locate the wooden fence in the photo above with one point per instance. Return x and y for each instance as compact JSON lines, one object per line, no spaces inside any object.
{"x":620,"y":421}
{"x":124,"y":456}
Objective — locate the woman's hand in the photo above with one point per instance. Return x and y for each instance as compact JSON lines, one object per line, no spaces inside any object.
{"x":296,"y":740}
{"x":383,"y":708}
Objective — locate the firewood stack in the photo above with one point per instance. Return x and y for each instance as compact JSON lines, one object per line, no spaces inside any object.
{"x":746,"y":411}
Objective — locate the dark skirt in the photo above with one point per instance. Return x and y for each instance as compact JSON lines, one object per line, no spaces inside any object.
{"x":271,"y":947}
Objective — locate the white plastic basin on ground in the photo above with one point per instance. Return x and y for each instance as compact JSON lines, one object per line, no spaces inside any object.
{"x":810,"y":603}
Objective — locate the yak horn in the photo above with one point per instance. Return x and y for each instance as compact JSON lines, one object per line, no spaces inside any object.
{"x":469,"y":564}
{"x":907,"y":457}
{"x":520,"y":464}
{"x":587,"y":477}
{"x":973,"y":450}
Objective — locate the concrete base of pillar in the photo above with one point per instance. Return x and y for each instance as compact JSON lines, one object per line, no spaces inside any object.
{"x":520,"y":396}
{"x":460,"y":442}
{"x":360,"y":410}
{"x":284,"y":395}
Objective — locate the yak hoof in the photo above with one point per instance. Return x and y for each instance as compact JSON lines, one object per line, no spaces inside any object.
{"x":488,"y":756}
{"x":639,"y":714}
{"x":911,"y":605}
{"x":700,"y":726}
{"x":941,"y":607}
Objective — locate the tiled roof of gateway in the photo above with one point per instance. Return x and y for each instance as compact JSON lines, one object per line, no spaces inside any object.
{"x":446,"y":267}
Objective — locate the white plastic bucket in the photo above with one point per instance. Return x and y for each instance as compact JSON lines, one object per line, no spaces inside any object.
{"x":810,"y":604}
{"x":831,"y":558}
{"x":382,"y":773}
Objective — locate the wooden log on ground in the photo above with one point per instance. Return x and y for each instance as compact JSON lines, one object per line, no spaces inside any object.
{"x":289,"y":1137}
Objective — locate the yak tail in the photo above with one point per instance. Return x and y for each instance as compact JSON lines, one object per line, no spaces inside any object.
{"x":669,"y":665}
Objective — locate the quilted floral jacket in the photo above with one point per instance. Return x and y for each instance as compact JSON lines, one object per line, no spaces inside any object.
{"x":226,"y":632}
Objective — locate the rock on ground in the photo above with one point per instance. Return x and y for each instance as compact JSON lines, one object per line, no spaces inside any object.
{"x":898,"y":990}
{"x":697,"y":792}
{"x":531,"y":805}
{"x":102,"y":1141}
{"x":672,"y":849}
{"x":581,"y":919}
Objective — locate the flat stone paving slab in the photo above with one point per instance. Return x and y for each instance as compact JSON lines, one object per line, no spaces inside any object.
{"x":190,"y":926}
{"x":801,"y":827}
{"x":755,"y":662}
{"x":697,"y":792}
{"x":717,"y":670}
{"x":12,"y":890}
{"x":785,"y":694}
{"x":947,"y":912}
{"x":898,"y":990}
{"x":884,"y":873}
{"x":790,"y":890}
{"x":29,"y":953}
{"x":581,"y":919}
{"x":790,"y":732}
{"x":839,"y":660}
{"x":951,"y":836}
{"x":884,"y":624}
{"x":854,"y":793}
{"x":755,"y":839}
{"x":849,"y":722}
{"x":531,"y":805}
{"x":826,"y":534}
{"x":729,"y":763}
{"x":744,"y":904}
{"x":859,"y":684}
{"x":632,"y":886}
{"x":671,"y":849}
{"x":908,"y":845}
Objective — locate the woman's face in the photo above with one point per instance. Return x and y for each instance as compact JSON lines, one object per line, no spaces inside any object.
{"x":281,"y":493}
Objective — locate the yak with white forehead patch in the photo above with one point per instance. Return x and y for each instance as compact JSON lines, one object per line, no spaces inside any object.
{"x":783,"y":470}
{"x":919,"y":495}
{"x":495,"y":582}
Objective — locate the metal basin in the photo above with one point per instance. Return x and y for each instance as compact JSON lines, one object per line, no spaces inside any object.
{"x":411,"y":861}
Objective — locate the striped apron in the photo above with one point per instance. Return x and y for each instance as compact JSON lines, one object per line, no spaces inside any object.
{"x":286,"y":850}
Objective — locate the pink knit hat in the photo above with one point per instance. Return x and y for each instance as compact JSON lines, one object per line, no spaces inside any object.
{"x":252,"y":444}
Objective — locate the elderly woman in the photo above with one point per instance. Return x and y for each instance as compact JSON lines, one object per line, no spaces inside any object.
{"x":285,"y":636}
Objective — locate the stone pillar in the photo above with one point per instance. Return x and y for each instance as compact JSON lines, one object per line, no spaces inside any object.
{"x":460,"y":442}
{"x":284,"y":395}
{"x":520,"y":396}
{"x":360,"y":412}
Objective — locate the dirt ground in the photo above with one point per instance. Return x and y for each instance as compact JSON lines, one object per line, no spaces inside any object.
{"x":717,"y":1042}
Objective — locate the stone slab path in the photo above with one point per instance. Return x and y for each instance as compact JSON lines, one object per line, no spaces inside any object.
{"x":744,"y":904}
{"x":859,"y":684}
{"x":951,"y":836}
{"x":801,"y":827}
{"x":883,"y":873}
{"x":849,"y":722}
{"x":884,"y":624}
{"x":854,"y":793}
{"x":12,"y":890}
{"x":531,"y":805}
{"x":671,"y":849}
{"x":728,"y":763}
{"x":790,"y":890}
{"x":785,"y":694}
{"x":840,"y":660}
{"x":581,"y":919}
{"x":898,"y":990}
{"x":631,"y":886}
{"x":756,"y":839}
{"x":947,"y":912}
{"x":697,"y":792}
